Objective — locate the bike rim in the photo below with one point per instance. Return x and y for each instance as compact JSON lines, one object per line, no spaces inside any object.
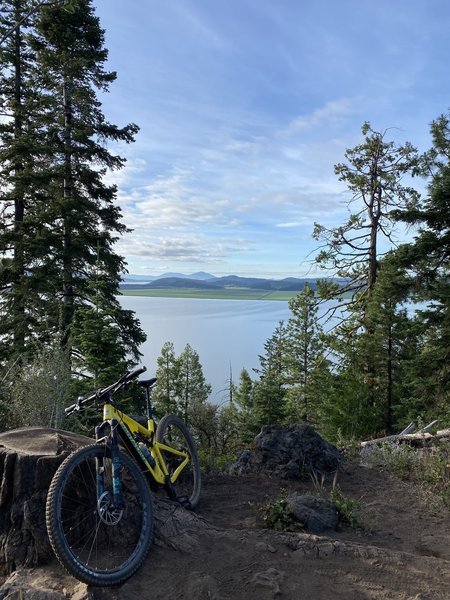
{"x":101,"y":537}
{"x":185,"y":483}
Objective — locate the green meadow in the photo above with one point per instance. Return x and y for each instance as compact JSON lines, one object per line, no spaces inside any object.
{"x":225,"y":294}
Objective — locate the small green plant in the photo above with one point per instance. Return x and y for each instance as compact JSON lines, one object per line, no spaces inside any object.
{"x":347,"y":507}
{"x":276,"y":515}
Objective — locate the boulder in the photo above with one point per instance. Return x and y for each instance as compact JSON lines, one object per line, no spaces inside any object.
{"x":289,"y":451}
{"x":315,"y":513}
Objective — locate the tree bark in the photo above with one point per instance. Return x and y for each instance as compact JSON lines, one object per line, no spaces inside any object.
{"x":28,"y":460}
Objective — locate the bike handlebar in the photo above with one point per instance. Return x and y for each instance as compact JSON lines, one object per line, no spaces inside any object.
{"x":99,"y":394}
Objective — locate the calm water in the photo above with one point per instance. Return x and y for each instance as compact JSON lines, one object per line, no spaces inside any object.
{"x":223,"y":332}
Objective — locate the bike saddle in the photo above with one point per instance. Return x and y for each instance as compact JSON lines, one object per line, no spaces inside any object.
{"x":147,"y":383}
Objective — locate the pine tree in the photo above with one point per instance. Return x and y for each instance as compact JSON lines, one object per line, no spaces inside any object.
{"x":82,"y":222}
{"x":166,"y":391}
{"x":71,"y":222}
{"x":373,"y":173}
{"x":304,"y":357}
{"x":426,"y":263}
{"x":192,"y":387}
{"x":244,"y":398}
{"x":269,"y":393}
{"x":388,"y":343}
{"x":345,"y":409}
{"x":181,"y":387}
{"x":21,"y":189}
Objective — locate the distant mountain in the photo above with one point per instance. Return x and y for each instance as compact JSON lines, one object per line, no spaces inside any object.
{"x":126,"y":278}
{"x":172,"y":283}
{"x":204,"y":281}
{"x":200,"y":276}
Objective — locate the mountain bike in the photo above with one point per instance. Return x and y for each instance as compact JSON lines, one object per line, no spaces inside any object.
{"x":99,"y":509}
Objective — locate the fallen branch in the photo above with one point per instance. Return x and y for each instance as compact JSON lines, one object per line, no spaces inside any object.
{"x":422,"y":436}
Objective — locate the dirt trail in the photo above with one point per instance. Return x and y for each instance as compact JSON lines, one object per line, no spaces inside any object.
{"x":403,"y":553}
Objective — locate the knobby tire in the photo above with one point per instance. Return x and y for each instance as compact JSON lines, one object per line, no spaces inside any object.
{"x":173,"y":432}
{"x":101,"y":547}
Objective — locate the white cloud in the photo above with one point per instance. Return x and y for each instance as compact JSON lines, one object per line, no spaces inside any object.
{"x":333,"y":112}
{"x":185,"y":248}
{"x":246,"y":106}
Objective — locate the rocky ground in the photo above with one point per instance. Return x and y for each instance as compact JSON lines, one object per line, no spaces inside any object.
{"x":401,"y":552}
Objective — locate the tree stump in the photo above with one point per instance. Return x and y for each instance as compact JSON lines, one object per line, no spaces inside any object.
{"x":28,"y":460}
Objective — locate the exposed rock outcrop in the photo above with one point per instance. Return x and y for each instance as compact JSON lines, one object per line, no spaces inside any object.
{"x":291,"y":451}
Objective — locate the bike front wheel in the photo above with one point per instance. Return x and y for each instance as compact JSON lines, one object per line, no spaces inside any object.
{"x":97,"y":541}
{"x":173,"y":432}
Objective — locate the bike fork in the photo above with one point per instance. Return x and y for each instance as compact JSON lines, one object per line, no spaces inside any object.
{"x":113,"y":444}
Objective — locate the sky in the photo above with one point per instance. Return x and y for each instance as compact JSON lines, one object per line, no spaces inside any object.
{"x":244,"y":108}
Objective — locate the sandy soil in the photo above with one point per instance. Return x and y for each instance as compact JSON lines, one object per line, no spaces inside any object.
{"x":402,"y":553}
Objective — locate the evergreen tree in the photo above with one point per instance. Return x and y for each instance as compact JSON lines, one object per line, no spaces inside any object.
{"x":426,"y":264}
{"x":373,"y":173}
{"x":244,"y":398}
{"x":304,"y":357}
{"x":388,"y":344}
{"x":60,"y":237}
{"x":103,"y":333}
{"x":82,"y":222}
{"x":181,"y":388}
{"x":165,"y":393}
{"x":20,"y":99}
{"x":269,"y":393}
{"x":193,"y":390}
{"x":345,"y":410}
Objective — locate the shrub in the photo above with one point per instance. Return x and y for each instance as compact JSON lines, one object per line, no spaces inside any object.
{"x":276,"y":515}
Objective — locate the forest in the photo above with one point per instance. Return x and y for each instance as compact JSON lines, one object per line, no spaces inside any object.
{"x":63,"y":331}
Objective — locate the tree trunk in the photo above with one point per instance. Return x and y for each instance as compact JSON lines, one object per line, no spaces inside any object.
{"x":28,"y":460}
{"x":67,"y":291}
{"x":19,"y":203}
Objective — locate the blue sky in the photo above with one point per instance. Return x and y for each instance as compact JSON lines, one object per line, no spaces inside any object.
{"x":245,"y":106}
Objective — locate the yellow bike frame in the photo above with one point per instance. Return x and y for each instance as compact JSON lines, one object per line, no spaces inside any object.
{"x":128,"y":426}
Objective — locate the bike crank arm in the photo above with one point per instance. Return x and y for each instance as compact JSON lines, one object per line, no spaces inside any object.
{"x":172,"y":493}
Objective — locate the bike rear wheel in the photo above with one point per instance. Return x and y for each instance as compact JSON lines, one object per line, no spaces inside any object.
{"x":173,"y":432}
{"x":99,"y":543}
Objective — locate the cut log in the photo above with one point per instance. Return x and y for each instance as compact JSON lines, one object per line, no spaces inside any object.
{"x":28,"y":460}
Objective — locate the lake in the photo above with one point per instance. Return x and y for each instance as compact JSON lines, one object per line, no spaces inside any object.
{"x":224,"y":333}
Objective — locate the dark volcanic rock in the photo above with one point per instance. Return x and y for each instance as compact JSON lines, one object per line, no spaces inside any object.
{"x":316,"y":514}
{"x":290,"y":451}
